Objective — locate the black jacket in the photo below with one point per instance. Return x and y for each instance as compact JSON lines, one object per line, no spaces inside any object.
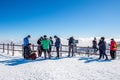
{"x":71,"y":41}
{"x":102,"y":45}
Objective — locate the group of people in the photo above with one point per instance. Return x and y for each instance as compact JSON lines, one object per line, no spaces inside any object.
{"x":44,"y":45}
{"x":102,"y":48}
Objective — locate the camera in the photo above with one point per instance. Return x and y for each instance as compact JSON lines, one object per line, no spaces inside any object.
{"x":76,"y":41}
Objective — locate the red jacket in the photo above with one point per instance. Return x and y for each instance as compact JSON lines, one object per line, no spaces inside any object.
{"x":112,"y":45}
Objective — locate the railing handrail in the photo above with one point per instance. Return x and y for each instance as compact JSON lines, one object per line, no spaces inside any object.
{"x":7,"y":47}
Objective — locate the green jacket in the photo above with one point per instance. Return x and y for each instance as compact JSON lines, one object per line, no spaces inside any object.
{"x":45,"y":44}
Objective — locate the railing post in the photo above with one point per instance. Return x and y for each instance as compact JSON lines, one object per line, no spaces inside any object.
{"x":7,"y":48}
{"x":13,"y":50}
{"x":61,"y":50}
{"x":22,"y":50}
{"x":75,"y":48}
{"x":88,"y":51}
{"x":3,"y":47}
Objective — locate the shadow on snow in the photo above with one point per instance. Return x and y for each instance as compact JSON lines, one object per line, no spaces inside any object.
{"x":54,"y":58}
{"x":18,"y":61}
{"x":90,"y":59}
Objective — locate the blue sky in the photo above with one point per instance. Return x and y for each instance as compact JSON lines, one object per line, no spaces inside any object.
{"x":83,"y":18}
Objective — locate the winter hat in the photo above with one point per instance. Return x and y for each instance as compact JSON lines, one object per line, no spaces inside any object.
{"x":55,"y":36}
{"x":45,"y":36}
{"x":103,"y":38}
{"x":28,"y":36}
{"x":112,"y":39}
{"x":50,"y":37}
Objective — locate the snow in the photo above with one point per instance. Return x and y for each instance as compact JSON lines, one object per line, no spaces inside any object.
{"x":79,"y":67}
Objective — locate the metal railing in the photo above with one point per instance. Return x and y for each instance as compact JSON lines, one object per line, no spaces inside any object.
{"x":63,"y":49}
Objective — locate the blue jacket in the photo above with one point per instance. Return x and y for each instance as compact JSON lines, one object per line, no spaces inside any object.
{"x":26,"y":42}
{"x":57,"y":42}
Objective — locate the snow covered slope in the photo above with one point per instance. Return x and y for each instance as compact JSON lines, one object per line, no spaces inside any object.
{"x":76,"y":68}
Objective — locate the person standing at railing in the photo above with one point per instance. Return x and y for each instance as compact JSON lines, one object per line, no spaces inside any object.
{"x":71,"y":44}
{"x":51,"y":44}
{"x":113,"y":48}
{"x":102,"y":48}
{"x":46,"y":44}
{"x":40,"y":49}
{"x":94,"y":45}
{"x":57,"y":45}
{"x":25,"y":44}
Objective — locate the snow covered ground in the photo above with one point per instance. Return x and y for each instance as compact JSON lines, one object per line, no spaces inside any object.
{"x":76,"y":68}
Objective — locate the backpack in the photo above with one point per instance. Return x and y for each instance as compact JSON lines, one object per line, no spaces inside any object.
{"x":115,"y":45}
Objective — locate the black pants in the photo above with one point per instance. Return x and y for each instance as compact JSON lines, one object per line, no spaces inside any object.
{"x":57,"y":50}
{"x":40,"y":50}
{"x":95,"y":49}
{"x":102,"y":54}
{"x":39,"y":53}
{"x":71,"y":48}
{"x":113,"y":54}
{"x":24,"y":52}
{"x":47,"y":51}
{"x":50,"y":49}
